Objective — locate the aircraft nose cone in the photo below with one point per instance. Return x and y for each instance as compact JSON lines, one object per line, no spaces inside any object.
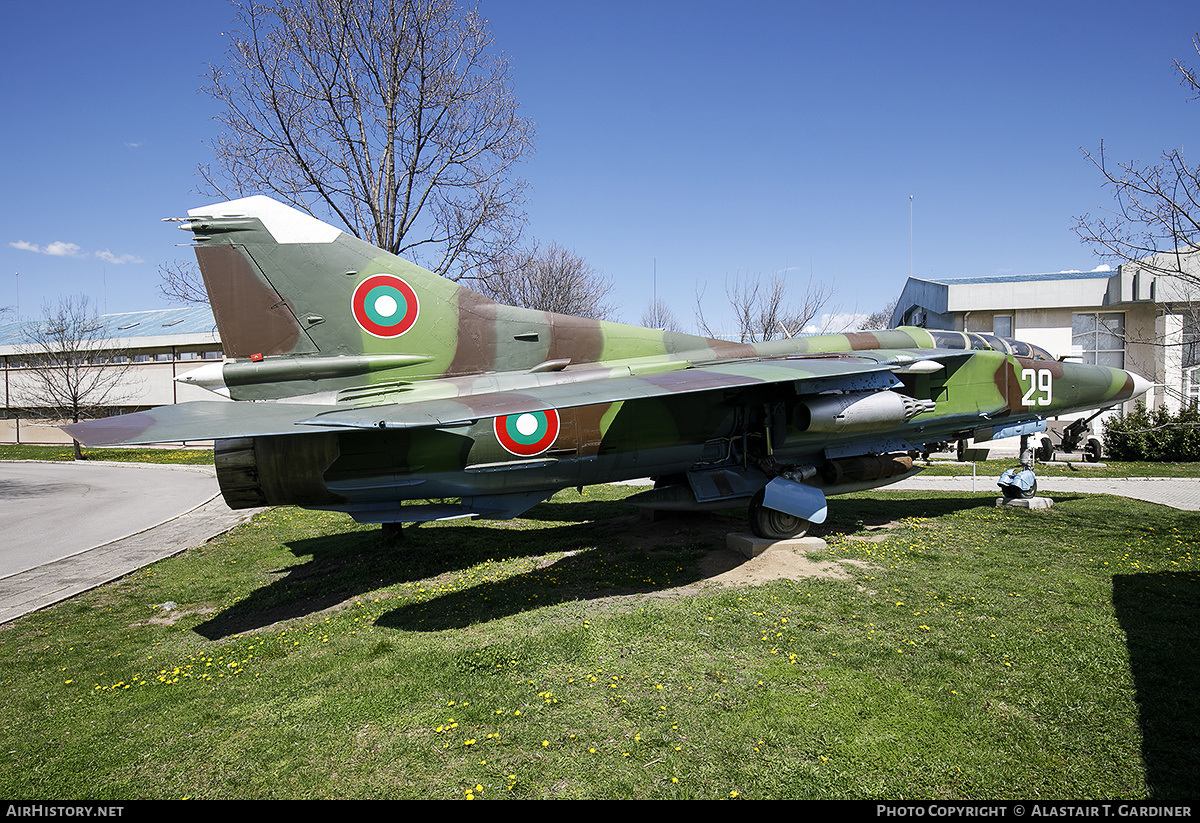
{"x":1140,"y":385}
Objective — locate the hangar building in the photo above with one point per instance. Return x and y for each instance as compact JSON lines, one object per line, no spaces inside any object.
{"x":157,"y":346}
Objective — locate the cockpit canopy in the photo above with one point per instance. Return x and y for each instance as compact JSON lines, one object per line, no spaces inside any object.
{"x":987,"y":342}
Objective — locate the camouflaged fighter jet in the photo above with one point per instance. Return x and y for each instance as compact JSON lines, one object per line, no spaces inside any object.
{"x":389,"y":390}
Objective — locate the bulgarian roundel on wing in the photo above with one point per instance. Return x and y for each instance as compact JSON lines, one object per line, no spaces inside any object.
{"x":527,"y":433}
{"x":385,"y":306}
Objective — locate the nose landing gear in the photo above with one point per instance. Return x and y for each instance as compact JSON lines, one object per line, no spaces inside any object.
{"x":1021,"y":483}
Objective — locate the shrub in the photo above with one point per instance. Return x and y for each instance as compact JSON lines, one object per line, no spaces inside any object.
{"x":1157,"y":436}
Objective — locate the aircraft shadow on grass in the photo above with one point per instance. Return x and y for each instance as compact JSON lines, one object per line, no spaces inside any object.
{"x":606,"y":553}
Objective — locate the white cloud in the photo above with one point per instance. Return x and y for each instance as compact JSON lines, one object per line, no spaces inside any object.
{"x":58,"y":248}
{"x":118,"y":258}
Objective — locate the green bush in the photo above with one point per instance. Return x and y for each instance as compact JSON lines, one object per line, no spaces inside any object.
{"x":1157,"y":435}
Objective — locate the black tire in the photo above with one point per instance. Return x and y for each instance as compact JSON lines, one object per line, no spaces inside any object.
{"x":961,"y":450}
{"x":1045,"y":451}
{"x":770,"y":524}
{"x":1017,"y":493}
{"x":1092,"y":450}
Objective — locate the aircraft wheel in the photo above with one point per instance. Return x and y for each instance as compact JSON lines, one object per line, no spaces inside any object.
{"x":1017,"y":493}
{"x":775,"y":525}
{"x":1045,"y":452}
{"x":961,"y":450}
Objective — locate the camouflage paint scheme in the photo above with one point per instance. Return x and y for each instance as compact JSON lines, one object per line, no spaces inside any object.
{"x":392,"y":385}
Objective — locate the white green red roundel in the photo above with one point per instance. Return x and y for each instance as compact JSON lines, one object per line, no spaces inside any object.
{"x":528,"y":433}
{"x":384,"y":305}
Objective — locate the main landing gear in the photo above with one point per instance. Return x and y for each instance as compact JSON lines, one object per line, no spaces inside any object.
{"x":770,"y":524}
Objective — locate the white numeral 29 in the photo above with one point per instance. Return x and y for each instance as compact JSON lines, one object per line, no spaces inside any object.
{"x":1041,"y":387}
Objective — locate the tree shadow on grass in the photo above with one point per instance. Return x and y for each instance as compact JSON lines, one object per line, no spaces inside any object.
{"x":1160,"y":615}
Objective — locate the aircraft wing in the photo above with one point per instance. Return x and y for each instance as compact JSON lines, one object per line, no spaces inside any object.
{"x":209,"y":420}
{"x":198,"y":420}
{"x":731,"y":376}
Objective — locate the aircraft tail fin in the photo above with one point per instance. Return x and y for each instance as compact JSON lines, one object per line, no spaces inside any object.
{"x":305,"y":308}
{"x":282,"y":283}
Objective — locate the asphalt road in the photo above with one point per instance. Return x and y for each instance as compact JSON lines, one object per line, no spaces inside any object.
{"x":50,"y":511}
{"x":69,"y":527}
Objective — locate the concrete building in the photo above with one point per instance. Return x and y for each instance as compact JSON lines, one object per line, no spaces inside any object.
{"x":1131,"y":318}
{"x":157,"y":346}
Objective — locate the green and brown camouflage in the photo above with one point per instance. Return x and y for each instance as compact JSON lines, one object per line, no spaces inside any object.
{"x":391,"y":385}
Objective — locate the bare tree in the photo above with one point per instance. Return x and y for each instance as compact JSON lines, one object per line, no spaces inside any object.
{"x":762,"y":311}
{"x":1157,"y":217}
{"x":1156,"y":222}
{"x":658,"y":315}
{"x":73,"y":369}
{"x":393,"y":115}
{"x":1156,"y":226}
{"x":881,"y":319}
{"x":549,"y":278}
{"x":180,"y":282}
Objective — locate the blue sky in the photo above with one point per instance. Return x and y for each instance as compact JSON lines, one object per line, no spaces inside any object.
{"x":698,"y":139}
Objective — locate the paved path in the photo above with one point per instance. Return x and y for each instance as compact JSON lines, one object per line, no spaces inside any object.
{"x":51,"y":510}
{"x":1176,"y":492}
{"x":69,"y":527}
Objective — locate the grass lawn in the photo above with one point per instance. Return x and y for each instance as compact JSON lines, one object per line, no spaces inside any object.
{"x":118,"y":454}
{"x":939,"y":648}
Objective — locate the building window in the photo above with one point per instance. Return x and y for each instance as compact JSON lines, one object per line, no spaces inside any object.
{"x":1101,"y":337}
{"x":1192,"y":384}
{"x":1191,"y":340}
{"x":1002,"y":325}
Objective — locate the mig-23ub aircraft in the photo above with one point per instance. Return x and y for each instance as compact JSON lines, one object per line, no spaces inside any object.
{"x":379,"y":387}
